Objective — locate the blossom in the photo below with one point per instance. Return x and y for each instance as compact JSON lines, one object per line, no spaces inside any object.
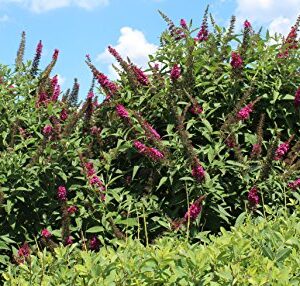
{"x":196,"y":109}
{"x":69,"y":240}
{"x":256,"y":150}
{"x":24,"y":250}
{"x":96,"y":181}
{"x":63,"y":115}
{"x":183,"y":24}
{"x":90,"y":95}
{"x":122,"y":112}
{"x":148,"y":151}
{"x":155,"y":154}
{"x":253,"y":196}
{"x":47,"y":130}
{"x":139,"y":146}
{"x":72,"y":209}
{"x":62,"y":193}
{"x":103,"y":80}
{"x":46,"y":233}
{"x":294,"y":185}
{"x":247,"y":24}
{"x":56,"y":93}
{"x":90,"y":169}
{"x":115,"y":53}
{"x":141,"y":77}
{"x":193,"y":211}
{"x":94,"y":243}
{"x":151,"y":130}
{"x":198,"y":172}
{"x":203,"y":33}
{"x":297,"y":98}
{"x":95,"y":130}
{"x":42,"y":99}
{"x":236,"y":60}
{"x":55,"y":54}
{"x":175,"y":72}
{"x":244,"y":113}
{"x":281,"y":150}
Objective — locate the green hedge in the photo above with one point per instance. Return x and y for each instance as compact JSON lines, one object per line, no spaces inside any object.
{"x":258,"y":253}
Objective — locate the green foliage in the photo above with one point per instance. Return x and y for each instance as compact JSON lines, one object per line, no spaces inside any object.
{"x":257,"y":253}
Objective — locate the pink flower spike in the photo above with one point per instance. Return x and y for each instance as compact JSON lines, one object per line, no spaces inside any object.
{"x":175,"y":72}
{"x":247,"y":24}
{"x":183,"y":24}
{"x":55,"y":54}
{"x":62,"y":193}
{"x":253,"y":196}
{"x":196,"y":109}
{"x":46,"y":233}
{"x":198,"y":172}
{"x":63,"y":115}
{"x":47,"y":130}
{"x":236,"y":60}
{"x":244,"y":113}
{"x":69,"y":240}
{"x":122,"y":112}
{"x":281,"y":150}
{"x":193,"y":211}
{"x":72,"y":209}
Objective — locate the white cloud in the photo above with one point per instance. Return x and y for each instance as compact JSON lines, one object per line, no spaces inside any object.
{"x":279,"y":15}
{"x":4,"y":18}
{"x":280,"y":25}
{"x":132,"y":43}
{"x":39,"y":6}
{"x":61,"y":79}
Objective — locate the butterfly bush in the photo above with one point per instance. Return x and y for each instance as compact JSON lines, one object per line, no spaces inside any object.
{"x":188,"y":126}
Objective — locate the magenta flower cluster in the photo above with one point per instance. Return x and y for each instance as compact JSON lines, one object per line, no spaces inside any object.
{"x":94,"y":243}
{"x":150,"y":128}
{"x":63,"y":115}
{"x":282,"y":149}
{"x":46,"y":233}
{"x":294,"y":185}
{"x":256,"y":150}
{"x":202,"y":34}
{"x":175,"y":72}
{"x":47,"y":130}
{"x":196,"y":109}
{"x":247,"y":25}
{"x":193,"y":211}
{"x":236,"y":60}
{"x":110,"y":86}
{"x":24,"y":251}
{"x":244,"y":113}
{"x":150,"y":152}
{"x":141,"y":77}
{"x":121,"y":111}
{"x":72,"y":209}
{"x":253,"y":196}
{"x":94,"y":180}
{"x":198,"y":172}
{"x":62,"y":193}
{"x":183,"y":24}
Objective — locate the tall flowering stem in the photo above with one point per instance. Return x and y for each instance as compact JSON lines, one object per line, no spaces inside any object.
{"x":203,"y":33}
{"x":36,"y":60}
{"x":150,"y":152}
{"x":253,"y":197}
{"x":21,"y":50}
{"x":194,"y":209}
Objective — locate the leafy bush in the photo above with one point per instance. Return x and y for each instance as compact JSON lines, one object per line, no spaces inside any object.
{"x":258,"y":253}
{"x":209,"y":131}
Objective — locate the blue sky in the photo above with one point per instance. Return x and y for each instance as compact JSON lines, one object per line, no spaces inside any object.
{"x":80,"y":27}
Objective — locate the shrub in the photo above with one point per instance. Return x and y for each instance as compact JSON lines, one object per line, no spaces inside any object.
{"x":258,"y":253}
{"x":209,"y":131}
